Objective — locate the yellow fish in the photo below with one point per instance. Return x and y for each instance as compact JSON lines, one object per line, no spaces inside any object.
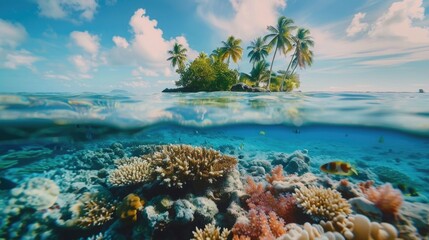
{"x":338,"y":168}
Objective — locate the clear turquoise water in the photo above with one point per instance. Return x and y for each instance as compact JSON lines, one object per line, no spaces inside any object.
{"x":369,"y":130}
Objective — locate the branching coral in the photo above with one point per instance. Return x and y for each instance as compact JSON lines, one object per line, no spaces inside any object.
{"x":262,"y":200}
{"x":131,"y":171}
{"x":211,"y":232}
{"x":387,"y":199}
{"x":177,"y":165}
{"x":276,"y":175}
{"x":259,"y":226}
{"x":321,"y":203}
{"x":129,"y":207}
{"x":91,"y":211}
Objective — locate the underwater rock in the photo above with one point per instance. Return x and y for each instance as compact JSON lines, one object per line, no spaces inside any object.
{"x":387,"y":174}
{"x":365,"y":207}
{"x":6,"y":184}
{"x":418,"y":213}
{"x":293,"y":181}
{"x":294,"y":163}
{"x":36,"y":193}
{"x":205,"y":210}
{"x":154,"y":217}
{"x":183,"y":211}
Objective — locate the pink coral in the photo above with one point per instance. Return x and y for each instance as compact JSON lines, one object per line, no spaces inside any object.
{"x":263,"y":200}
{"x":387,"y":199}
{"x":259,"y":226}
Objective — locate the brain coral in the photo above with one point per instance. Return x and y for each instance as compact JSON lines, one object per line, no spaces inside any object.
{"x":211,"y":232}
{"x":37,"y":193}
{"x":177,"y":165}
{"x":321,"y":203}
{"x":131,"y":171}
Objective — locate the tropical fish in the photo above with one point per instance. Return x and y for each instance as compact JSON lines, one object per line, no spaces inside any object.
{"x":262,"y":133}
{"x":338,"y":168}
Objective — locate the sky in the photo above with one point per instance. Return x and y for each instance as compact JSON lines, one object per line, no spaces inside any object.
{"x":104,"y":45}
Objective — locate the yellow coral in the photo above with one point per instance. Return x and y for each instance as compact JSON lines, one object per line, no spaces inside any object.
{"x":91,"y":211}
{"x":177,"y":165}
{"x":131,"y":171}
{"x":129,"y":207}
{"x":321,"y":203}
{"x":211,"y":232}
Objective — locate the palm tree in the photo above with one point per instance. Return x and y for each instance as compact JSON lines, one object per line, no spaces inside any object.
{"x":216,"y":55}
{"x":231,"y":49}
{"x":280,"y":38}
{"x":258,"y":74}
{"x":292,"y":80}
{"x":303,"y":54}
{"x":258,"y":50}
{"x":178,"y":56}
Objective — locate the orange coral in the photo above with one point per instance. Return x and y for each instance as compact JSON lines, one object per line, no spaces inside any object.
{"x":364,"y":186}
{"x":386,"y":198}
{"x":259,"y":227}
{"x":276,"y":175}
{"x":127,"y":210}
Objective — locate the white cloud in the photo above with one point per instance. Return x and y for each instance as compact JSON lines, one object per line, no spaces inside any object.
{"x":356,"y":26}
{"x":136,"y":84}
{"x":20,"y":58}
{"x":143,"y":71}
{"x":249,"y":18}
{"x":397,"y":22}
{"x":86,"y":41}
{"x":148,"y":48}
{"x":63,"y":9}
{"x":81,"y":63}
{"x":120,"y":42}
{"x":51,"y":75}
{"x":393,"y":38}
{"x":12,"y":34}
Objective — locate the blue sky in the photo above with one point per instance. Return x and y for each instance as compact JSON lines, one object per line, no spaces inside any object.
{"x":101,"y":45}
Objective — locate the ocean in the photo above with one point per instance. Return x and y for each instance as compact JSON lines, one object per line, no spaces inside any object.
{"x":59,"y":153}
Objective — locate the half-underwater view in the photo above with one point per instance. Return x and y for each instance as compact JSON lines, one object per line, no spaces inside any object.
{"x":214,"y":120}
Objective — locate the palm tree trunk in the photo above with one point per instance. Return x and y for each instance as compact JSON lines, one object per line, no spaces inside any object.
{"x":294,"y":69}
{"x":284,"y":76}
{"x":271,"y":68}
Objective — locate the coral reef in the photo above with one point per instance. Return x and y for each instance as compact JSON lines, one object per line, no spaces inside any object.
{"x":321,"y":203}
{"x":36,"y":193}
{"x":263,"y":200}
{"x":91,"y":210}
{"x":294,"y":163}
{"x":258,"y":225}
{"x":360,"y":227}
{"x":211,"y":232}
{"x":387,"y":174}
{"x":387,"y":199}
{"x":177,"y":165}
{"x":131,"y":171}
{"x":130,"y":205}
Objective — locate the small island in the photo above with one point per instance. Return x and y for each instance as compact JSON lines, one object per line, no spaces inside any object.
{"x":213,"y":73}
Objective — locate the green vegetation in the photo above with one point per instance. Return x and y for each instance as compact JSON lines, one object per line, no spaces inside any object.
{"x":212,"y":73}
{"x":205,"y":75}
